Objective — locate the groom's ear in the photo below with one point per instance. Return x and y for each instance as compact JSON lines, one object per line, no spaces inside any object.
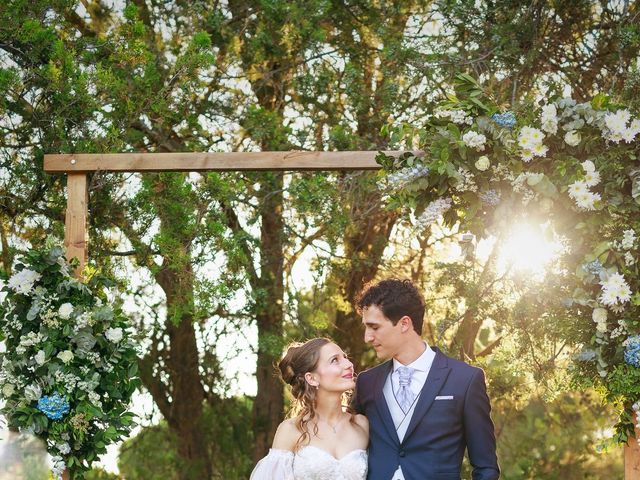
{"x":405,"y":324}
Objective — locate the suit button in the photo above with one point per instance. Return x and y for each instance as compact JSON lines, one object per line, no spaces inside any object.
{"x":402,"y":454}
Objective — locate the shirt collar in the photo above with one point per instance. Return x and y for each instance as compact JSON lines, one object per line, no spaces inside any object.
{"x":421,"y":363}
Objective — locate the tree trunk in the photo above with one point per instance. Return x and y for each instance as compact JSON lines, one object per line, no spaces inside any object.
{"x":365,"y":242}
{"x":186,"y":391}
{"x":269,"y":403}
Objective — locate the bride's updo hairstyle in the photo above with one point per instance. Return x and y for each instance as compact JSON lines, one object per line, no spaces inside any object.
{"x":300,"y":359}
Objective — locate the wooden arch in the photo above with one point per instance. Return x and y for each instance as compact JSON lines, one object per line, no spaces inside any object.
{"x":77,"y":166}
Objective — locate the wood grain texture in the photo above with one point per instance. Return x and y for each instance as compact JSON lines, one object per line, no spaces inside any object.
{"x":76,"y":221}
{"x":632,"y":458}
{"x":160,"y":162}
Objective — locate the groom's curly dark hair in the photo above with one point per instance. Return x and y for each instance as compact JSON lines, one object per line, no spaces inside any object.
{"x":395,"y":298}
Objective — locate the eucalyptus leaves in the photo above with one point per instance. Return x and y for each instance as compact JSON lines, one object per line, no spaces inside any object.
{"x":69,"y":368}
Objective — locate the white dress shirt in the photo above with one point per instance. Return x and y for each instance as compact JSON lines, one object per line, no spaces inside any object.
{"x":421,"y":367}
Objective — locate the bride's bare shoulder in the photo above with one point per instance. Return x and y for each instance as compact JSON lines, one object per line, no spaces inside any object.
{"x":362,"y":422}
{"x":286,"y":435}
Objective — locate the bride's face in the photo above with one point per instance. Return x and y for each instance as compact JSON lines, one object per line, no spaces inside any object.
{"x":334,"y":371}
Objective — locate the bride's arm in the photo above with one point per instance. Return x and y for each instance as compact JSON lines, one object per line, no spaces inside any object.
{"x":363,"y":423}
{"x":278,"y":464}
{"x":286,"y":435}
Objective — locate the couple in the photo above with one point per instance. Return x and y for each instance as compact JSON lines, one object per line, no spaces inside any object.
{"x":414,"y":415}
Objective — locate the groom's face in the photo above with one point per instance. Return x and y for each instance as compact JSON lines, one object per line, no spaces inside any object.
{"x":385,"y":337}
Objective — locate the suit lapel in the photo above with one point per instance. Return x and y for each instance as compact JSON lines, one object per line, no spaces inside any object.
{"x":381,"y":402}
{"x":435,"y":380}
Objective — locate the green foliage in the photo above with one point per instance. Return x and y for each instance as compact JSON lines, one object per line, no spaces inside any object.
{"x":518,"y":181}
{"x":108,"y":77}
{"x":555,"y":440}
{"x":101,"y":474}
{"x":151,"y":454}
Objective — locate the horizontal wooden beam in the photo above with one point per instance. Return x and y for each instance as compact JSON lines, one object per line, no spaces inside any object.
{"x":162,"y":162}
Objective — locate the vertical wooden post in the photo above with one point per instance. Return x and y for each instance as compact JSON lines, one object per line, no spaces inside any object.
{"x":75,"y":227}
{"x":632,"y":458}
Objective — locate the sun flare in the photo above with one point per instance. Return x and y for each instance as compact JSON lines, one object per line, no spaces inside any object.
{"x":528,"y":249}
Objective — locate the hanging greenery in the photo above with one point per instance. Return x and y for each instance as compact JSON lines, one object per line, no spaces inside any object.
{"x":570,"y":165}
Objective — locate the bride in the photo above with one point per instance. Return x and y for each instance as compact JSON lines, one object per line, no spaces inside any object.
{"x":323,"y":440}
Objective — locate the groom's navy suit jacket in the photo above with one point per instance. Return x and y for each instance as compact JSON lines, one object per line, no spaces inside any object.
{"x":439,"y":430}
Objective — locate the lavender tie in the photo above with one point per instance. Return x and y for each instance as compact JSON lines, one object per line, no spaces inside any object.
{"x":405,"y":396}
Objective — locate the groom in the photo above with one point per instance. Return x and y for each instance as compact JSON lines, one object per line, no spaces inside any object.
{"x":424,"y":408}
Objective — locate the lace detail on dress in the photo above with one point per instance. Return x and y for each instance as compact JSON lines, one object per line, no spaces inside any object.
{"x":313,"y":463}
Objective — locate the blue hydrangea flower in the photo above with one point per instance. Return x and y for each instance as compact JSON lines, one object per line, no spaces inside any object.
{"x":490,"y":197}
{"x":632,"y":351}
{"x":54,"y":407}
{"x":594,"y":268}
{"x":506,"y":119}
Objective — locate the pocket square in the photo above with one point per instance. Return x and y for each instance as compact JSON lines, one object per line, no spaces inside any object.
{"x":444,"y":397}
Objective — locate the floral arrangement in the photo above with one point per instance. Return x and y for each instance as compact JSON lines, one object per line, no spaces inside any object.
{"x":572,"y":164}
{"x":70,"y":366}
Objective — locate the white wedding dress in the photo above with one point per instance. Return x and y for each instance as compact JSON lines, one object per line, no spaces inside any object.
{"x":311,"y":463}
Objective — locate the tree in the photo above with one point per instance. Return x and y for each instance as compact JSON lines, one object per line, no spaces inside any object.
{"x":204,"y":76}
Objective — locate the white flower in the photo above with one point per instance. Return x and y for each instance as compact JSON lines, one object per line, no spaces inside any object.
{"x":113,"y":334}
{"x":615,"y":127}
{"x":22,"y":282}
{"x":58,"y":466}
{"x":65,"y":311}
{"x":7,"y":390}
{"x":592,"y":178}
{"x":483,"y":163}
{"x":32,"y":392}
{"x":573,"y":138}
{"x":615,"y":290}
{"x":614,"y":280}
{"x":529,"y":137}
{"x":66,"y":356}
{"x":617,"y":121}
{"x":540,"y":150}
{"x":629,"y":134}
{"x":457,"y":116}
{"x":628,"y":239}
{"x":40,"y":357}
{"x":587,"y":200}
{"x":549,"y":119}
{"x":95,"y":399}
{"x":578,"y":188}
{"x":64,"y":448}
{"x":526,"y":155}
{"x":599,"y":315}
{"x":588,"y":166}
{"x":474,"y":140}
{"x":601,"y":327}
{"x":550,"y":127}
{"x":629,"y":259}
